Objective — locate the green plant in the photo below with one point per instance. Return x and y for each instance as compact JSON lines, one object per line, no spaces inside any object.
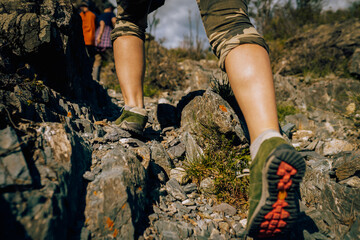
{"x":285,"y":109}
{"x":221,"y":161}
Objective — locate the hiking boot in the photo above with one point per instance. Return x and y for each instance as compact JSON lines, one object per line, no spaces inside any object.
{"x":133,"y":120}
{"x":275,"y":175}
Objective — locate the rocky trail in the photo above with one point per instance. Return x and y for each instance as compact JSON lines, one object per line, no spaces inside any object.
{"x":67,"y":172}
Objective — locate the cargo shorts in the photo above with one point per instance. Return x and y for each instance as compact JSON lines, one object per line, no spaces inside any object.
{"x":226,"y":23}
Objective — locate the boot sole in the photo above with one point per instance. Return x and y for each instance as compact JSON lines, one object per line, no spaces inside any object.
{"x":278,"y":207}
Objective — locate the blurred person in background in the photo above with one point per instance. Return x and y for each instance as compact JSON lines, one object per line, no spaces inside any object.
{"x":89,"y":27}
{"x":103,"y":38}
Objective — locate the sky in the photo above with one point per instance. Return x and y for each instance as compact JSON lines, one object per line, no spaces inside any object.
{"x":174,"y":19}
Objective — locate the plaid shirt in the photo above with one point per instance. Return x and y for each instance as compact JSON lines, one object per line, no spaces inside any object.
{"x":105,"y":38}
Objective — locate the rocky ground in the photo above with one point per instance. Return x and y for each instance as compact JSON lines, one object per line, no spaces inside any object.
{"x":67,"y":172}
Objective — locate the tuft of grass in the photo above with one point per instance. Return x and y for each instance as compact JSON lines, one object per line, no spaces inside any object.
{"x":222,"y":161}
{"x":285,"y":109}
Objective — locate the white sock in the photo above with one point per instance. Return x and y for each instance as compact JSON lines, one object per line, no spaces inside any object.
{"x":141,"y":111}
{"x":254,"y":148}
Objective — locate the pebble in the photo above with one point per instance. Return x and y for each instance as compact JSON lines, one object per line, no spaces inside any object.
{"x":175,"y":190}
{"x":225,"y":208}
{"x":188,"y":202}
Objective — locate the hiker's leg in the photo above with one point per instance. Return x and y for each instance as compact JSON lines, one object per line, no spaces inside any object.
{"x":128,"y":37}
{"x":130,"y":67}
{"x":249,"y":71}
{"x":242,"y":53}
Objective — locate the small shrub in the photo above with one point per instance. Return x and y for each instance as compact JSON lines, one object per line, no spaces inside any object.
{"x":285,"y":109}
{"x":222,"y":161}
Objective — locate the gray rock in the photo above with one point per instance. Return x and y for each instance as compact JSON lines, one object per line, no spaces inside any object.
{"x":116,"y":199}
{"x":209,"y":111}
{"x":354,"y":232}
{"x":207,"y":186}
{"x":115,"y":134}
{"x":160,"y":157}
{"x":354,"y":64}
{"x":175,"y":190}
{"x":176,"y":151}
{"x":180,"y":175}
{"x":167,"y":235}
{"x":181,"y":208}
{"x":13,"y":167}
{"x":346,"y":165}
{"x":288,"y":128}
{"x":153,"y":217}
{"x":225,"y":208}
{"x":352,"y":182}
{"x":189,"y":188}
{"x":188,"y":202}
{"x":60,"y":158}
{"x":89,"y":176}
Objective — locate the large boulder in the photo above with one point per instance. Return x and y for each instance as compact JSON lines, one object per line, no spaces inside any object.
{"x":116,"y":199}
{"x":41,"y":199}
{"x":41,"y":47}
{"x":205,"y":114}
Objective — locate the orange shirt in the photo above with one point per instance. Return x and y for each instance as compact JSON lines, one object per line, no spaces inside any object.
{"x":88,"y":26}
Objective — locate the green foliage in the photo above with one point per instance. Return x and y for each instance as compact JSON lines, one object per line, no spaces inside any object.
{"x":285,"y":109}
{"x":222,"y":161}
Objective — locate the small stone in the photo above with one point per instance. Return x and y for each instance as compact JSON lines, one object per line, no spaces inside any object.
{"x":167,"y":235}
{"x":352,"y":182}
{"x":180,"y":175}
{"x":89,"y":176}
{"x":153,"y":217}
{"x":176,"y":151}
{"x":238,"y":228}
{"x":225,"y":208}
{"x":243,"y":223}
{"x":207,"y":186}
{"x":188,"y":202}
{"x":190,"y":188}
{"x":175,"y":190}
{"x":224,"y":227}
{"x":182,"y":208}
{"x":287,"y":129}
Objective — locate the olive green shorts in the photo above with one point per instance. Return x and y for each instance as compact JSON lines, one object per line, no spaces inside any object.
{"x":226,"y":22}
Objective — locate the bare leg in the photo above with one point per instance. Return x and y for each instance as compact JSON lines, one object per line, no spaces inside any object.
{"x":130,"y":68}
{"x":250,"y":76}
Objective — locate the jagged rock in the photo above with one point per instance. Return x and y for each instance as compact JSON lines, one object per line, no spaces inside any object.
{"x":210,"y":110}
{"x":354,"y":232}
{"x":351,"y":182}
{"x":189,"y":188}
{"x":116,"y":199}
{"x":175,"y":190}
{"x":13,"y":168}
{"x":346,"y":165}
{"x":176,"y":151}
{"x":30,"y":31}
{"x":180,"y":175}
{"x":205,"y":112}
{"x":160,"y":157}
{"x":56,"y":160}
{"x":354,"y":64}
{"x":115,"y":134}
{"x":336,"y":146}
{"x":193,"y":150}
{"x":225,"y":208}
